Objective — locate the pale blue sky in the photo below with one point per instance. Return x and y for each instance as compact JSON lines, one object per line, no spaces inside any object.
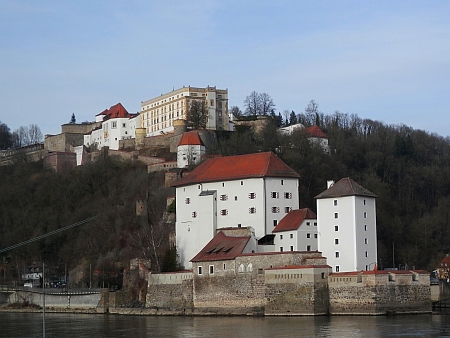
{"x":383,"y":60}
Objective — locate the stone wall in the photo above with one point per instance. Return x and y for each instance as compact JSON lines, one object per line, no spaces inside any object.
{"x":380,"y":292}
{"x":170,"y":291}
{"x":63,"y":142}
{"x":79,"y":128}
{"x":60,"y":161}
{"x":297,"y":290}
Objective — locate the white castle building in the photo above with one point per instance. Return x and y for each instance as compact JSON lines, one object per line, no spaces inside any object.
{"x":115,"y":124}
{"x":346,"y":221}
{"x":255,"y":190}
{"x":159,"y":113}
{"x":260,"y":191}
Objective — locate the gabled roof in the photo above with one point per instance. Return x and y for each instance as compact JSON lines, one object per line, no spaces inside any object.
{"x":315,"y":131}
{"x":238,"y":167}
{"x":191,"y":138}
{"x":222,"y":247}
{"x":116,"y":111}
{"x":294,"y":219}
{"x":445,"y":261}
{"x":345,"y":187}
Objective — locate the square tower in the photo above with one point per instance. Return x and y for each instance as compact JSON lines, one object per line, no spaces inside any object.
{"x":346,"y":222}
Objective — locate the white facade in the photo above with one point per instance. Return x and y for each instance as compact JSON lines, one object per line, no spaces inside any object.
{"x":347,"y":232}
{"x":112,"y":130}
{"x":257,"y":202}
{"x":159,"y":113}
{"x":189,"y":155}
{"x":305,"y":238}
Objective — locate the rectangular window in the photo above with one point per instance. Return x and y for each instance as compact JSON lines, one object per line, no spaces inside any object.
{"x":275,"y":222}
{"x":336,"y":241}
{"x":235,"y":198}
{"x":308,"y":223}
{"x":366,"y":254}
{"x":315,"y":224}
{"x":224,"y":212}
{"x":223,"y":197}
{"x":288,"y":195}
{"x":281,"y":236}
{"x":365,"y":240}
{"x":336,"y":228}
{"x":282,"y":182}
{"x":315,"y":235}
{"x":308,"y":248}
{"x":252,"y":210}
{"x":275,"y":210}
{"x":336,"y":215}
{"x":365,"y":227}
{"x":292,"y":248}
{"x":200,"y":270}
{"x":337,"y":268}
{"x":187,"y":200}
{"x":287,"y":209}
{"x":194,"y":214}
{"x":252,"y":195}
{"x":365,"y":214}
{"x":124,"y":125}
{"x":281,"y":249}
{"x":275,"y":194}
{"x":336,"y":254}
{"x":308,"y":235}
{"x":211,"y":269}
{"x":335,"y":202}
{"x":364,"y":202}
{"x":224,"y":266}
{"x":242,"y":182}
{"x":114,"y":124}
{"x":291,"y":235}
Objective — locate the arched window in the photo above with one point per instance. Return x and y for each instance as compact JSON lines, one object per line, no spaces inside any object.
{"x":250,"y":267}
{"x":241,"y":268}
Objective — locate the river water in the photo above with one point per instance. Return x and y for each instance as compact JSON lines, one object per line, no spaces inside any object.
{"x":89,"y":325}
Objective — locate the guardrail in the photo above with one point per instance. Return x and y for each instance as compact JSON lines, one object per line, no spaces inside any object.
{"x":71,"y":291}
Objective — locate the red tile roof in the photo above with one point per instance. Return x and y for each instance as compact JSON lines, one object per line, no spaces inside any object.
{"x":345,"y":187}
{"x":315,"y":131}
{"x":294,"y":219}
{"x":116,"y":111}
{"x":222,"y":247}
{"x":299,"y":267}
{"x":445,"y":261}
{"x":190,"y":138}
{"x":238,"y":167}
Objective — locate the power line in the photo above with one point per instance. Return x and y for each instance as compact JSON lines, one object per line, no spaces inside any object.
{"x":49,"y":234}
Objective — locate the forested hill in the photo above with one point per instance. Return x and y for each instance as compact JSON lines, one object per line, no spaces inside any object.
{"x":409,"y":171}
{"x":35,"y":201}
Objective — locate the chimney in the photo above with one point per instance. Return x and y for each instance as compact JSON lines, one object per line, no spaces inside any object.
{"x":330,"y":184}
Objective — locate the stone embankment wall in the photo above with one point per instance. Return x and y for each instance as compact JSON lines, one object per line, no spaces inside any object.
{"x":170,"y":292}
{"x":85,"y":300}
{"x":380,"y":292}
{"x":297,"y":290}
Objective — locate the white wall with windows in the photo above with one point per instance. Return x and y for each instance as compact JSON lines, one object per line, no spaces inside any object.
{"x":347,"y":232}
{"x":236,"y":203}
{"x":305,"y":238}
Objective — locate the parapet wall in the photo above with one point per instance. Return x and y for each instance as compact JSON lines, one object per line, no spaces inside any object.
{"x":379,"y":292}
{"x":170,"y":291}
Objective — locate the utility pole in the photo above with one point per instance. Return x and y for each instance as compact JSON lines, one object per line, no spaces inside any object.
{"x":43,"y":300}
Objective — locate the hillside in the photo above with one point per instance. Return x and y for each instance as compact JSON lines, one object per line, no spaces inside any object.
{"x":409,"y":171}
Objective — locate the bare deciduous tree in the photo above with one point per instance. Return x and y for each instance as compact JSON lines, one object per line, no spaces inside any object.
{"x":258,"y":104}
{"x":197,"y":114}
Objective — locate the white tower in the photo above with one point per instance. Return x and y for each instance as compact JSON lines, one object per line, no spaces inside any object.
{"x":346,"y":222}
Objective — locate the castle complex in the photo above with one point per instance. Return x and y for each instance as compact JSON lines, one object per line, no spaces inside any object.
{"x":234,"y":215}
